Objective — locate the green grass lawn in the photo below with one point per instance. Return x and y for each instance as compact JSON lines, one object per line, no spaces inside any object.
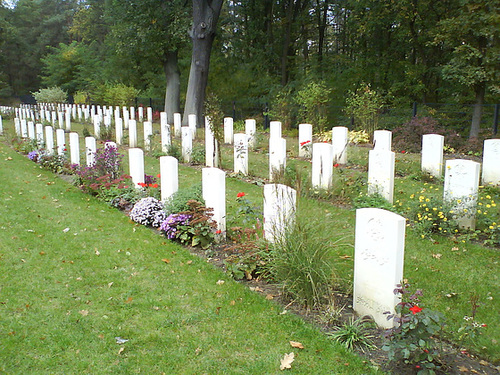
{"x":448,"y":270}
{"x":76,"y":274}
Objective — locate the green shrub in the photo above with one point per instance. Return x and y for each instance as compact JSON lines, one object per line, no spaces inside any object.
{"x":81,"y":97}
{"x":301,"y":263}
{"x":355,"y":334}
{"x":364,"y":105}
{"x":51,"y":95}
{"x":312,"y":100}
{"x":178,"y":202}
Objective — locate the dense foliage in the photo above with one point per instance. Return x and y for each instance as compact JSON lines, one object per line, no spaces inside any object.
{"x":303,"y":54}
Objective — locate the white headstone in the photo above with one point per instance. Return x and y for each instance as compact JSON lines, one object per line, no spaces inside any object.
{"x":1,"y":125}
{"x":322,"y":165}
{"x":140,"y":111}
{"x":491,"y":162}
{"x":279,"y":211}
{"x":381,"y":173}
{"x":31,"y":130}
{"x":378,"y":263}
{"x":461,"y":184}
{"x":177,"y":125}
{"x":148,"y":134}
{"x":211,"y":159}
{"x":60,"y":118}
{"x":163,"y":119}
{"x":165,"y":137}
{"x":250,"y":131}
{"x":126,"y":119}
{"x":49,"y":139}
{"x":17,"y":126}
{"x":74,"y":144}
{"x":228,"y":130}
{"x":39,"y":134}
{"x":132,"y":113}
{"x":214,"y":194}
{"x":136,"y":165}
{"x":150,"y":114}
{"x":61,"y":141}
{"x":432,"y":154}
{"x":275,"y":129}
{"x":241,"y":153}
{"x":97,"y":126}
{"x":192,"y":124}
{"x":340,"y":141}
{"x":169,"y":176}
{"x":382,"y":140}
{"x":68,"y":121}
{"x":90,"y":150}
{"x":277,"y":157}
{"x":305,"y":140}
{"x":119,"y":130}
{"x":187,"y":143}
{"x":132,"y":133}
{"x":24,"y":128}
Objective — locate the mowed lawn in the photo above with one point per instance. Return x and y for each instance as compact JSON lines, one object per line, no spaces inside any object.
{"x":79,"y":278}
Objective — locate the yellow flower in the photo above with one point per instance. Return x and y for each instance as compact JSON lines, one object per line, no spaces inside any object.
{"x":488,"y":206}
{"x":488,"y":197}
{"x":491,"y":227}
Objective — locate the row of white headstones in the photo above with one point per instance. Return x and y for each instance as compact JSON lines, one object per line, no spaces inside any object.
{"x":379,"y":238}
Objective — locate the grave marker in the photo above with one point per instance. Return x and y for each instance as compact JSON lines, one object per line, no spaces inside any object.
{"x":305,"y":140}
{"x":187,"y":143}
{"x":169,"y":176}
{"x":461,"y":185}
{"x":340,"y":141}
{"x":250,"y":130}
{"x":228,"y":130}
{"x":74,"y":145}
{"x":49,"y":139}
{"x":241,"y":153}
{"x":214,"y":194}
{"x":279,"y":211}
{"x":378,"y":263}
{"x":432,"y":154}
{"x":90,"y":150}
{"x":136,"y":165}
{"x":491,"y":162}
{"x":381,"y":173}
{"x":382,"y":140}
{"x":322,"y":165}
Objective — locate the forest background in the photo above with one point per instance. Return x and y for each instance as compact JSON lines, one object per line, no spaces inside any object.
{"x":268,"y":56}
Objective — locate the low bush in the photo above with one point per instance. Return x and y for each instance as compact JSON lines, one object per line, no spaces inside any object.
{"x":408,"y":137}
{"x":51,"y":95}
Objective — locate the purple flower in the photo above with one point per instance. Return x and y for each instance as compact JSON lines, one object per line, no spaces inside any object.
{"x":169,"y":226}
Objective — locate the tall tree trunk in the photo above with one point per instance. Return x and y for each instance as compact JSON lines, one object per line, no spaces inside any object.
{"x":478,"y":111}
{"x":173,"y":91}
{"x":205,"y":16}
{"x":286,"y":42}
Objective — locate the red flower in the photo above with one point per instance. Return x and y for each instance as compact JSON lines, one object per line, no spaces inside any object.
{"x":336,"y":165}
{"x":304,"y":143}
{"x":218,"y":231}
{"x":154,"y":185}
{"x":158,"y":175}
{"x":239,"y":195}
{"x":484,"y":325}
{"x":142,"y":184}
{"x":415,"y":309}
{"x":403,"y":152}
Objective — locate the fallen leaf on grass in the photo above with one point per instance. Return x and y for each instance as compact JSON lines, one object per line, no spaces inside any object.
{"x":437,"y":256}
{"x":189,"y":262}
{"x":454,"y":249}
{"x":296,"y":344}
{"x":119,"y":340}
{"x":463,"y":369}
{"x":166,"y":260}
{"x":345,"y":257}
{"x":269,"y":297}
{"x":121,"y":350}
{"x":84,"y":312}
{"x":96,"y":252}
{"x":286,"y":361}
{"x":129,"y":299}
{"x":220,"y":282}
{"x":255,"y":289}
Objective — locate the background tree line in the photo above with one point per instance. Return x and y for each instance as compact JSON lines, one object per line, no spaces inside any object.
{"x":270,"y":51}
